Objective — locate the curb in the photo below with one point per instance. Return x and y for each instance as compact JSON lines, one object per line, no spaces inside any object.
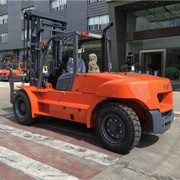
{"x":177,"y":112}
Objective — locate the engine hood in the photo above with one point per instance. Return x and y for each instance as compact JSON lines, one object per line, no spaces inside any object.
{"x":94,"y":81}
{"x":144,"y":88}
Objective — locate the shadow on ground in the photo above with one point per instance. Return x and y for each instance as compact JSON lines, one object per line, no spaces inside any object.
{"x":8,"y":113}
{"x":75,"y":130}
{"x":147,"y":140}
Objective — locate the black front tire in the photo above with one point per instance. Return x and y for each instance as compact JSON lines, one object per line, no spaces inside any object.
{"x":118,"y":127}
{"x":22,"y":108}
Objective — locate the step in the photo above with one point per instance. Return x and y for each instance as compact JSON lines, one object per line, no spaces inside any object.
{"x":67,"y":104}
{"x":40,"y":90}
{"x":41,"y":113}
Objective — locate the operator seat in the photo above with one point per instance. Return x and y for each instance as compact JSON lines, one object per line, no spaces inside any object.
{"x":64,"y":81}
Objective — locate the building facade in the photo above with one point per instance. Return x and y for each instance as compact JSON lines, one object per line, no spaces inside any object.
{"x":150,"y":30}
{"x":86,"y":15}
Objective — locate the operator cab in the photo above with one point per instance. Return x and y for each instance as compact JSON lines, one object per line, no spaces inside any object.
{"x":36,"y":48}
{"x":62,"y":76}
{"x":61,"y":73}
{"x":64,"y":80}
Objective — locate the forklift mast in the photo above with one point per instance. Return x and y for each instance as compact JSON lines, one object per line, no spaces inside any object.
{"x":37,"y":25}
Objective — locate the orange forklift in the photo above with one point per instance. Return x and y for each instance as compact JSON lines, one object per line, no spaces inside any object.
{"x":18,"y":70}
{"x":119,"y":106}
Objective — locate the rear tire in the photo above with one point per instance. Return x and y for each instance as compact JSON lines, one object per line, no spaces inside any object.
{"x":118,"y":127}
{"x":22,"y":108}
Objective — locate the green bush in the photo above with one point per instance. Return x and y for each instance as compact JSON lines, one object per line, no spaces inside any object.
{"x":8,"y":55}
{"x":172,"y":72}
{"x":124,"y":68}
{"x":48,"y":58}
{"x":66,"y":54}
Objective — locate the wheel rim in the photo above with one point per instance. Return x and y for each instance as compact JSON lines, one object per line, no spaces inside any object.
{"x":113,"y":128}
{"x":20,"y":107}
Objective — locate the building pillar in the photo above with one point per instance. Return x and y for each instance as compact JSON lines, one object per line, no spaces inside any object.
{"x":120,"y":18}
{"x":118,"y":37}
{"x":113,"y":47}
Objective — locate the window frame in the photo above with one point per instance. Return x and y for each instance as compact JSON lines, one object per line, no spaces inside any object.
{"x":59,"y":5}
{"x":94,"y":1}
{"x":4,"y":38}
{"x":3,"y":2}
{"x":100,"y":26}
{"x":4,"y":19}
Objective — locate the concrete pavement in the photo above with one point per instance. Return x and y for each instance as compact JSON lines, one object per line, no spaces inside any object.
{"x":176,"y":95}
{"x":156,"y":157}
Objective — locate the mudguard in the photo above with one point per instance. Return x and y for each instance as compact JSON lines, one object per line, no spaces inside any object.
{"x":145,"y":92}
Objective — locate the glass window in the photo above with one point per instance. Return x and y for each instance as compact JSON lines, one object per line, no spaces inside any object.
{"x":62,"y":2}
{"x":58,"y":5}
{"x":98,"y":22}
{"x":3,"y":2}
{"x":4,"y":19}
{"x":104,"y":20}
{"x":93,"y":1}
{"x":62,"y":5}
{"x":171,"y":44}
{"x":54,"y":4}
{"x":91,"y":23}
{"x":173,"y":57}
{"x":4,"y":38}
{"x":154,"y":18}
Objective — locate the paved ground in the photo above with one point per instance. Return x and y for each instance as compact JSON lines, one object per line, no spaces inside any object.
{"x":56,"y":149}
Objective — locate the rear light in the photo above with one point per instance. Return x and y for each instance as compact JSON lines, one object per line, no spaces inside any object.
{"x":91,"y":35}
{"x":44,"y":43}
{"x":85,"y":33}
{"x":160,"y":97}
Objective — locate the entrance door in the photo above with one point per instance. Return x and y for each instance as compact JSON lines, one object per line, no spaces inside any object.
{"x":153,"y":61}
